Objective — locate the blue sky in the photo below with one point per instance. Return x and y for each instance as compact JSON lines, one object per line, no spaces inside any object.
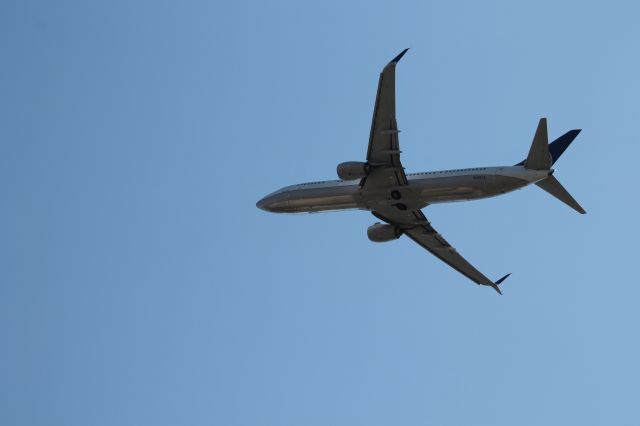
{"x":140,"y":285}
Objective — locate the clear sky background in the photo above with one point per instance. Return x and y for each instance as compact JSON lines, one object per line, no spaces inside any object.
{"x":140,"y":285}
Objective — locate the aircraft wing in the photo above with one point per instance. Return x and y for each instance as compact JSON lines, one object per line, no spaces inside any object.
{"x":383,"y":154}
{"x":415,"y":225}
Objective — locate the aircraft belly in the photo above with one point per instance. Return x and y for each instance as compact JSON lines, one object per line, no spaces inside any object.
{"x":469,"y":187}
{"x":418,"y":194}
{"x":504,"y":184}
{"x":323,"y":199}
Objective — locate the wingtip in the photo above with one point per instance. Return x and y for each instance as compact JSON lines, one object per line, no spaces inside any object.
{"x":497,"y":283}
{"x":397,"y":58}
{"x":496,"y":288}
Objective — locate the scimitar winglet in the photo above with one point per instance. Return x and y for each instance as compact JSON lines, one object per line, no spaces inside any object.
{"x":397,"y":58}
{"x":497,"y":283}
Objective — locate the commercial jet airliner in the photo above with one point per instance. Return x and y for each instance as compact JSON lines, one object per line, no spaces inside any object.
{"x":381,"y":185}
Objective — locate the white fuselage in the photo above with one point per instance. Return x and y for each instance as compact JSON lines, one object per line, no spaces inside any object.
{"x":423,"y":189}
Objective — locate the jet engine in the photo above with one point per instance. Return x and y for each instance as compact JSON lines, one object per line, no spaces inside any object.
{"x":352,"y":170}
{"x":380,"y":232}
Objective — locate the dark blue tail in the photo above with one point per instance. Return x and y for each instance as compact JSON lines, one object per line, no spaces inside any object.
{"x":557,"y":147}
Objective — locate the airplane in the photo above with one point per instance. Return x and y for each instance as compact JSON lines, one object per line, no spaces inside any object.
{"x":381,"y":186}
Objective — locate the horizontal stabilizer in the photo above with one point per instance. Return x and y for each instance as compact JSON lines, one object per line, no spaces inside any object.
{"x":538,"y":158}
{"x":553,"y":187}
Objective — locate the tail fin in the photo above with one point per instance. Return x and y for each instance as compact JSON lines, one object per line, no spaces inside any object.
{"x":552,"y":152}
{"x":542,"y":156}
{"x":557,"y":147}
{"x":553,"y":187}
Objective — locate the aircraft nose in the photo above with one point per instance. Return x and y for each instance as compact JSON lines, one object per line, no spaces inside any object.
{"x":274,"y":203}
{"x":263,"y":204}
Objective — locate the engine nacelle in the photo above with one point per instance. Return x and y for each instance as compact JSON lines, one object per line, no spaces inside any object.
{"x":380,"y":232}
{"x":352,"y":170}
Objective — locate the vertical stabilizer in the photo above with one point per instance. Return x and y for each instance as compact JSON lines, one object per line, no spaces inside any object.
{"x":557,"y":147}
{"x":539,"y":158}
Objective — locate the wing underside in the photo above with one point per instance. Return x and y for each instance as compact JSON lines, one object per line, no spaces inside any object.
{"x":383,"y":153}
{"x":415,"y":225}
